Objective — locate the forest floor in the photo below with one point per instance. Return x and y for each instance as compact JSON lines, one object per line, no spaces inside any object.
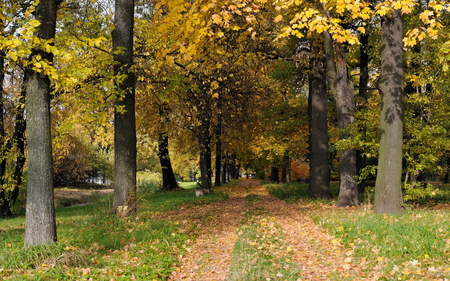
{"x":239,"y":232}
{"x":317,"y":254}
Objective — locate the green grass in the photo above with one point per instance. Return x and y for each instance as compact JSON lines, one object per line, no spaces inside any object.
{"x":260,"y":253}
{"x":415,"y":245}
{"x":188,"y":184}
{"x":92,"y":243}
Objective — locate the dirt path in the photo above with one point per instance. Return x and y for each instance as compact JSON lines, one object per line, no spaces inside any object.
{"x":318,"y":255}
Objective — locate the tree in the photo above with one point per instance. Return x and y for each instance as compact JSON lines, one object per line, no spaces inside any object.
{"x":40,"y":214}
{"x":388,"y":191}
{"x":319,"y":179}
{"x":342,"y":90}
{"x":124,"y":202}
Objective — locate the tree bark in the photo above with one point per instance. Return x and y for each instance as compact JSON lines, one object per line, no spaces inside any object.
{"x":224,"y":169}
{"x":319,"y":183}
{"x":5,"y":210}
{"x":204,"y":141}
{"x":361,"y":159}
{"x":218,"y":146}
{"x":18,"y":139}
{"x":124,"y":202}
{"x":168,"y":177}
{"x":274,"y":174}
{"x":388,"y":191}
{"x":40,"y":213}
{"x":286,"y":171}
{"x":345,"y":106}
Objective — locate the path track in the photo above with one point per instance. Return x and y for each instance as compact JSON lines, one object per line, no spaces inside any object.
{"x":317,"y":254}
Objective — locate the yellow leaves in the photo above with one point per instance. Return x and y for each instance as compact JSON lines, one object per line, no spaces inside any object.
{"x":170,"y":60}
{"x":34,"y":23}
{"x":216,"y":19}
{"x":425,"y":15}
{"x":387,"y":7}
{"x":278,"y":18}
{"x":214,"y":85}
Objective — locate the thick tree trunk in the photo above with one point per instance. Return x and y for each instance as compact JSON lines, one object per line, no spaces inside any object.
{"x":388,"y":191}
{"x":40,"y":213}
{"x":363,"y":84}
{"x":124,"y":202}
{"x":319,"y":183}
{"x":168,"y":177}
{"x":345,"y":106}
{"x":274,"y":174}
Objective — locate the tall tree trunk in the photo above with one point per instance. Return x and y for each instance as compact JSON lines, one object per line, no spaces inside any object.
{"x":388,"y":191}
{"x":124,"y":202}
{"x":168,"y":177}
{"x":286,"y":171}
{"x":40,"y":213}
{"x":218,"y":143}
{"x":319,"y":183}
{"x":345,"y":106}
{"x":363,"y":84}
{"x":5,"y":210}
{"x":204,"y":141}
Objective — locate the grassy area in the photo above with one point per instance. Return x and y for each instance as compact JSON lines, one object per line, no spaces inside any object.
{"x":95,"y":244}
{"x":413,"y":246}
{"x":188,"y":184}
{"x":260,"y":253}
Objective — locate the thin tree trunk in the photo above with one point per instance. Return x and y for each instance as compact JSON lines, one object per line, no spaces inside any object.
{"x":286,"y":172}
{"x":319,"y":183}
{"x":224,"y":169}
{"x":204,"y":141}
{"x":40,"y":213}
{"x":218,"y":146}
{"x":5,"y":210}
{"x":124,"y":202}
{"x":361,"y":159}
{"x":348,"y":189}
{"x":168,"y":177}
{"x":388,"y":191}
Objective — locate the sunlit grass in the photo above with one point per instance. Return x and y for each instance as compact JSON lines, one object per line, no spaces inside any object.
{"x":415,"y":245}
{"x":92,"y":243}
